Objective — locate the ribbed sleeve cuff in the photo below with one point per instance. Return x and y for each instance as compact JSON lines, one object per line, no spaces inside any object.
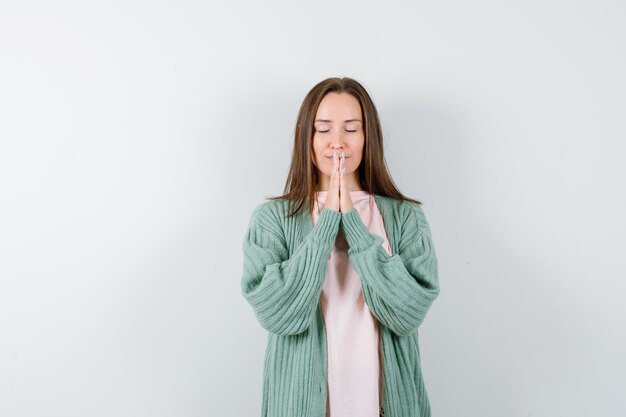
{"x":327,"y":225}
{"x":356,"y":233}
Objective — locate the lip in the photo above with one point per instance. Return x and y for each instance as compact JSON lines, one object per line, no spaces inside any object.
{"x":331,"y":157}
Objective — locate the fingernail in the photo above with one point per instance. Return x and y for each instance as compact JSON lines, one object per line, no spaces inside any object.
{"x":343,"y":170}
{"x":343,"y":156}
{"x":334,"y":170}
{"x":335,"y":156}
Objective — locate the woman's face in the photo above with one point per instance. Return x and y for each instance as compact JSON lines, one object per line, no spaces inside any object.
{"x":338,"y":126}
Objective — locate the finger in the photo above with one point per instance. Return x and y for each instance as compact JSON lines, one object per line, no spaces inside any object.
{"x":335,"y":166}
{"x":342,"y":169}
{"x":342,"y":184}
{"x":339,"y":171}
{"x":334,"y":176}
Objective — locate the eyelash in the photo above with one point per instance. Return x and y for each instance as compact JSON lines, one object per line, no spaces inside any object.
{"x":326,"y":131}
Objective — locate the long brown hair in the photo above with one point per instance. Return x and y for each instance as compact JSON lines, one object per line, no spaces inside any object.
{"x":303,"y":176}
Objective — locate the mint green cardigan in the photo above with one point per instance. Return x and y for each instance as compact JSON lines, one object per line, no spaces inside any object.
{"x":284,"y":269}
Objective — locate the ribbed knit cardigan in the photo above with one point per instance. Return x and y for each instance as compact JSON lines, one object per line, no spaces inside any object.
{"x":284,"y":269}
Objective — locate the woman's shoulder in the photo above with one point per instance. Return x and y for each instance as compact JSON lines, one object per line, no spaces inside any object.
{"x":404,"y":211}
{"x":270,"y":211}
{"x":276,"y":206}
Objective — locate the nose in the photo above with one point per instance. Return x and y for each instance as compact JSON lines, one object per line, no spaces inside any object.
{"x":337,"y":141}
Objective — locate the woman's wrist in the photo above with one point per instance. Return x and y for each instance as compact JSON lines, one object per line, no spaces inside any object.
{"x":327,"y":225}
{"x":357,"y":234}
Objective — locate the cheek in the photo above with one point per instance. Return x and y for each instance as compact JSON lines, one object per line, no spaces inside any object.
{"x":358,"y":152}
{"x":356,"y":161}
{"x":358,"y":146}
{"x":318,"y":152}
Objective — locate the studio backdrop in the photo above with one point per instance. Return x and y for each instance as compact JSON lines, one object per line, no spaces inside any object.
{"x":136,"y":138}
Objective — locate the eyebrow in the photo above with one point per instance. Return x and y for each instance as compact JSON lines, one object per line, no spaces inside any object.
{"x":327,"y":121}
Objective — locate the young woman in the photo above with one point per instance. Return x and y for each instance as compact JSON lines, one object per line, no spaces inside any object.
{"x":340,"y":270}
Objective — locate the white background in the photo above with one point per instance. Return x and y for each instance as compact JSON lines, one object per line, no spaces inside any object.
{"x":136,"y":137}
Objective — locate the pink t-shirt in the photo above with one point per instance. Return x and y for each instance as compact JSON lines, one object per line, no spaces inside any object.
{"x":352,"y":331}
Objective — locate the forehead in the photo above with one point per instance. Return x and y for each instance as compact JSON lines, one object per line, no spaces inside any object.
{"x":338,"y":107}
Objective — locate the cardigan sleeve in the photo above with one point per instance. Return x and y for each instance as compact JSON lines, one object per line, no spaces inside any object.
{"x":398,"y":289}
{"x":284,"y":289}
